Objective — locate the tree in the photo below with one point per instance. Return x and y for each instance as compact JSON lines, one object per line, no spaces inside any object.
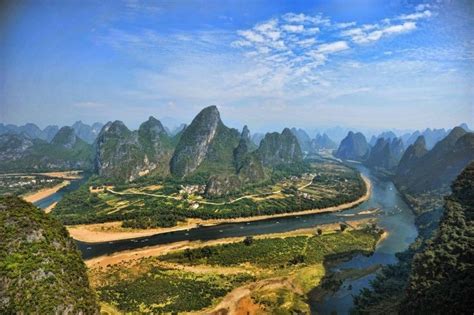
{"x":248,"y":240}
{"x":343,"y":227}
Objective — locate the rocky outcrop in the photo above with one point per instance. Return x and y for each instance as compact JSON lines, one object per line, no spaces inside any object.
{"x":353,"y":147}
{"x":126,"y":155}
{"x":206,"y":144}
{"x":276,"y":149}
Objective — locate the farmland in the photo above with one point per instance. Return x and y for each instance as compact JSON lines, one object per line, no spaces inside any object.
{"x":277,"y":270}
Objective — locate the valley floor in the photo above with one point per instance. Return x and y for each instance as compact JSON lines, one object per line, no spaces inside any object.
{"x":274,"y":273}
{"x":112,"y":231}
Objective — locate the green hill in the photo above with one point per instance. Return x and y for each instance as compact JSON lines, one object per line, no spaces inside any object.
{"x":41,"y":271}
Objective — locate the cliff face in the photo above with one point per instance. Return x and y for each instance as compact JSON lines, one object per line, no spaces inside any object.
{"x":421,"y":171}
{"x":278,"y":149}
{"x":126,"y":155}
{"x":353,"y":147}
{"x":41,"y":269}
{"x":206,"y":144}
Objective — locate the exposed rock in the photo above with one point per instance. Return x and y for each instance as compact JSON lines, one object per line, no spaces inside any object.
{"x":278,"y":149}
{"x":205,"y":144}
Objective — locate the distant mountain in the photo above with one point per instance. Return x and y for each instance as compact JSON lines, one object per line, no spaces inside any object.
{"x":86,"y":132}
{"x":42,"y":271}
{"x":126,"y":155}
{"x":257,"y":137}
{"x":412,"y":156}
{"x":49,"y":132}
{"x":18,"y":152}
{"x":386,"y":153}
{"x":441,"y":279}
{"x":432,"y":136}
{"x":177,"y":130}
{"x":353,"y":147}
{"x":389,"y":135}
{"x":321,"y":142}
{"x":465,"y":127}
{"x":30,"y":130}
{"x":303,"y":138}
{"x":421,"y":171}
{"x":206,"y":145}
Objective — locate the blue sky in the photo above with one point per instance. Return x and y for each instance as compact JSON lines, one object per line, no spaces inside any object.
{"x":270,"y":64}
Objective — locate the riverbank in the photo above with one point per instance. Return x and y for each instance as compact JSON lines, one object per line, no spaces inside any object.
{"x":272,"y":273}
{"x":131,"y":255}
{"x":44,"y":193}
{"x":112,"y":231}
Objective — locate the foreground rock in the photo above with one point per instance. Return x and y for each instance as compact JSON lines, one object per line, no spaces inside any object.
{"x":41,"y":271}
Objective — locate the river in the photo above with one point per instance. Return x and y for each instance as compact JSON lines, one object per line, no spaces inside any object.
{"x":394,"y":216}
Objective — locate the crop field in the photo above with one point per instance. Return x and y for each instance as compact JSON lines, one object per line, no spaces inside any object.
{"x":164,"y":204}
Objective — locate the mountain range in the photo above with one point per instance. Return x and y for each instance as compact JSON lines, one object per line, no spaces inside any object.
{"x":421,"y":169}
{"x":84,"y":131}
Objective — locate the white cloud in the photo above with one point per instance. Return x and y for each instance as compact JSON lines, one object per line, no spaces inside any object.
{"x":361,"y":36}
{"x":416,"y":16}
{"x":333,"y":47}
{"x":251,"y":36}
{"x":293,"y":28}
{"x":344,"y":25}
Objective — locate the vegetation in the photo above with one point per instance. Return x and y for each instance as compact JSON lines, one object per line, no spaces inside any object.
{"x":195,"y":279}
{"x":332,"y":185}
{"x":281,"y":252}
{"x":21,"y":184}
{"x":41,"y":271}
{"x":159,"y":290}
{"x":436,"y":272}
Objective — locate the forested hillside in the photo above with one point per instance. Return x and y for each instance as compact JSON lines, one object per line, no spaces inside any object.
{"x":434,"y":276}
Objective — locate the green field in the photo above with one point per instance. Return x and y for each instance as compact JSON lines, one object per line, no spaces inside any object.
{"x":159,"y":284}
{"x":149,"y":203}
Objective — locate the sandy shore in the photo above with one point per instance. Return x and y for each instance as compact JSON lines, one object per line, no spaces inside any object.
{"x":43,"y":193}
{"x":50,"y":207}
{"x":112,"y":231}
{"x":157,"y":250}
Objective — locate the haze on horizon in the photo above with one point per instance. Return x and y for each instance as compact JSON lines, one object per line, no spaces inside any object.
{"x":363,"y":64}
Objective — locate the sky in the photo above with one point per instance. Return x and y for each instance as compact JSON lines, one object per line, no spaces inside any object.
{"x":268,"y":64}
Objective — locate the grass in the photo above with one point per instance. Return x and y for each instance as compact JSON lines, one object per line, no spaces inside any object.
{"x":286,"y":268}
